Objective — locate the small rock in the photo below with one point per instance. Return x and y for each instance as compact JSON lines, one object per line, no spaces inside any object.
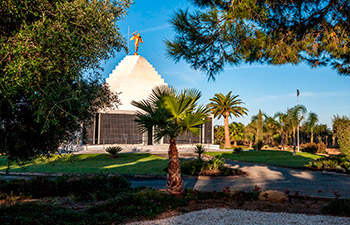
{"x":273,"y":196}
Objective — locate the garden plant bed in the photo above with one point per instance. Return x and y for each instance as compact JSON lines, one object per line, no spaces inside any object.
{"x":213,"y":167}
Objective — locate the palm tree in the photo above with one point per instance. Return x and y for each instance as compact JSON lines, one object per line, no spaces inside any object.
{"x":236,"y":132}
{"x":295,"y":116}
{"x":171,"y":114}
{"x":219,"y":134}
{"x":281,"y":120}
{"x":225,"y":106}
{"x":310,"y":124}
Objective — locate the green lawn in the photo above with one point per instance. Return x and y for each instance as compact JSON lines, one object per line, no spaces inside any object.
{"x":279,"y":158}
{"x":95,"y":163}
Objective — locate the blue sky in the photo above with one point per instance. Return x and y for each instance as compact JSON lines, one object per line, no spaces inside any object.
{"x":269,"y":88}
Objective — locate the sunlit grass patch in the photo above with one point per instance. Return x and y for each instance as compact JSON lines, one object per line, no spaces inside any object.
{"x":272,"y":157}
{"x":128,"y":163}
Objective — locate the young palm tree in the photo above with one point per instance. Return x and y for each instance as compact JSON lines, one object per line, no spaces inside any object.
{"x":219,"y":134}
{"x":236,"y":132}
{"x":281,"y":120}
{"x":295,"y":116}
{"x":310,"y":124}
{"x":225,"y":106}
{"x":171,"y":114}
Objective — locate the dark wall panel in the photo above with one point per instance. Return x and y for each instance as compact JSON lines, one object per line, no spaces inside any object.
{"x":208,"y":132}
{"x":119,"y":128}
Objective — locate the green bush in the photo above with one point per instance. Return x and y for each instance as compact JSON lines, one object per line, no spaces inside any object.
{"x":145,"y":203}
{"x":340,"y":207}
{"x":238,"y":150}
{"x":321,"y":148}
{"x":309,"y":147}
{"x":211,"y":167}
{"x":314,"y":148}
{"x":36,"y":213}
{"x":114,"y":150}
{"x":98,"y":186}
{"x":338,"y":163}
{"x":134,"y":204}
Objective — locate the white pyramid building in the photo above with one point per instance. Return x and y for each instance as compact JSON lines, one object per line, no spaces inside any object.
{"x":135,"y":78}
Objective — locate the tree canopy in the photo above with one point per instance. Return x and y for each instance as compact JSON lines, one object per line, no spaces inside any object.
{"x":50,"y":52}
{"x":275,"y":32}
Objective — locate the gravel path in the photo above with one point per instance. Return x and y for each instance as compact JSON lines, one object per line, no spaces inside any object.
{"x":234,"y":216}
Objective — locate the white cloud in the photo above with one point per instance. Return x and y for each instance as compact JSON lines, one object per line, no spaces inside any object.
{"x":164,"y":26}
{"x":245,"y":67}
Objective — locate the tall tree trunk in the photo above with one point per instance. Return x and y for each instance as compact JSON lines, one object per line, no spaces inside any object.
{"x":227,"y":133}
{"x":150,"y":136}
{"x":174,"y":181}
{"x":312,"y":136}
{"x":294,"y":144}
{"x":282,"y":140}
{"x":235,"y":143}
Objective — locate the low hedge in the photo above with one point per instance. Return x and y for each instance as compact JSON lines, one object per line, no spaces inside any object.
{"x":97,"y":186}
{"x":338,"y":163}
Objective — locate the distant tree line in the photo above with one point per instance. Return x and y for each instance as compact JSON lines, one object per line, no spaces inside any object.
{"x":279,"y":130}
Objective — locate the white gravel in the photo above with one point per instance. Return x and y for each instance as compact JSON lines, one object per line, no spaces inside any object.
{"x":234,"y":216}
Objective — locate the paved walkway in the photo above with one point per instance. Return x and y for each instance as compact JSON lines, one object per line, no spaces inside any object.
{"x":267,"y":177}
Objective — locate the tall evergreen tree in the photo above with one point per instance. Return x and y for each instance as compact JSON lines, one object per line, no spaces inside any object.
{"x":274,"y":32}
{"x":50,"y":55}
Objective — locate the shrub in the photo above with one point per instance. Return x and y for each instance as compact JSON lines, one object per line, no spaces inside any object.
{"x":341,"y":128}
{"x":340,"y":207}
{"x":114,"y":150}
{"x":338,"y":163}
{"x":321,"y":148}
{"x":214,"y":164}
{"x":310,"y":148}
{"x":193,"y":167}
{"x":145,"y":203}
{"x":199,"y":149}
{"x":238,"y":150}
{"x":211,"y":167}
{"x":99,"y":186}
{"x":35,"y":213}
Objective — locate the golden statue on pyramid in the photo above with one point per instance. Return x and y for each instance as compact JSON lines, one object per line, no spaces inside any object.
{"x":137,"y":39}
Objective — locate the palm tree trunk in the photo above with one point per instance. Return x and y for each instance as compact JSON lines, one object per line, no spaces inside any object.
{"x":312,"y":136}
{"x":282,"y":140}
{"x":150,"y":136}
{"x":227,"y":133}
{"x":294,"y":141}
{"x":174,"y":181}
{"x":235,"y":143}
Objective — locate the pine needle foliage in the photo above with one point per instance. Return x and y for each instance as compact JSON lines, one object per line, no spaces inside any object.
{"x":275,"y":32}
